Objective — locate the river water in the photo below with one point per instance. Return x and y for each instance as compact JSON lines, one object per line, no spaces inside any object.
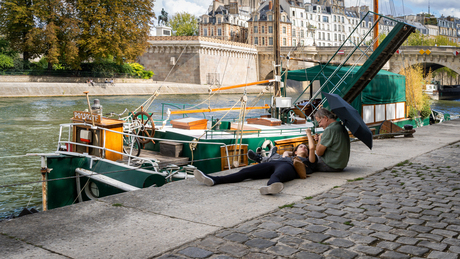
{"x":31,"y":125}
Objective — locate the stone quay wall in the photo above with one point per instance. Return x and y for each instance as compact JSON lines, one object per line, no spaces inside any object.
{"x":200,"y":60}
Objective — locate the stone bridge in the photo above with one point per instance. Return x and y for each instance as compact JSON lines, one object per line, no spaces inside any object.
{"x":436,"y":57}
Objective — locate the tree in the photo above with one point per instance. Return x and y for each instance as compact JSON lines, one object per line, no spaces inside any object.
{"x":16,"y":23}
{"x":184,"y":24}
{"x":117,"y":28}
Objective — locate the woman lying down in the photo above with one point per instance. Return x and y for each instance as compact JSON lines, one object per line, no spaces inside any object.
{"x":277,"y":168}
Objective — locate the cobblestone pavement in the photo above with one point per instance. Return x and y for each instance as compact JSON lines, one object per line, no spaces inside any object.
{"x":409,"y":211}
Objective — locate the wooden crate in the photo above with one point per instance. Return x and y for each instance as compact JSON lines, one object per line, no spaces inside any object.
{"x":264,"y":121}
{"x":190,"y":123}
{"x":171,"y":148}
{"x":233,"y":156}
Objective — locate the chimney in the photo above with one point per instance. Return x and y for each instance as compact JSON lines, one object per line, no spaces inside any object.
{"x":270,"y":5}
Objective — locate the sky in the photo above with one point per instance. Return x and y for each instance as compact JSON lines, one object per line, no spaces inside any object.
{"x":438,"y":8}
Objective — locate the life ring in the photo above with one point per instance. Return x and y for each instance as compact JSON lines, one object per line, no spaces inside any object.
{"x":267,"y":144}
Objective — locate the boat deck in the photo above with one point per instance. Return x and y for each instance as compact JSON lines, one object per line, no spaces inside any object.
{"x":162,"y":161}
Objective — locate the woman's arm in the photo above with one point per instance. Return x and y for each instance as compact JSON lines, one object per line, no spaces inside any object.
{"x":311,"y":147}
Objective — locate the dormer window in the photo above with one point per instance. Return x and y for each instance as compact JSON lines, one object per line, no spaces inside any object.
{"x":270,"y":17}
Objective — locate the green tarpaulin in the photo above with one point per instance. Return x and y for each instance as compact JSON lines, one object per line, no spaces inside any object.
{"x":386,"y":87}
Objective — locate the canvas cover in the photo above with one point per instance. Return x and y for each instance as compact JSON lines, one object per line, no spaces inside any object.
{"x":385,"y":87}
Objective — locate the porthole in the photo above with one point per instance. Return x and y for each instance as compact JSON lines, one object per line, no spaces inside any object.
{"x":92,"y":190}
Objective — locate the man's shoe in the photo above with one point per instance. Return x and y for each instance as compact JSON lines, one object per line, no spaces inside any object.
{"x":272,"y":151}
{"x":273,"y":188}
{"x":259,"y":150}
{"x":254,"y":157}
{"x":200,"y":177}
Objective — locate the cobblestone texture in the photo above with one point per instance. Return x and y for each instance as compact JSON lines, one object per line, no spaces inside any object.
{"x":409,"y":211}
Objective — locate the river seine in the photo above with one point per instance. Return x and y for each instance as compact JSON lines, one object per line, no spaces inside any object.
{"x":31,"y":125}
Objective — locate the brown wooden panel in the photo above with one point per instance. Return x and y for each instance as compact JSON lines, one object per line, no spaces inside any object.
{"x":233,"y":154}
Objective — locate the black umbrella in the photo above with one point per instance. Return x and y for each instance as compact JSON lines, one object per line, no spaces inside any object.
{"x":350,"y":118}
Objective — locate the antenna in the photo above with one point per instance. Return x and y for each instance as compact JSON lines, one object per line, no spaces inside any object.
{"x":428,"y":6}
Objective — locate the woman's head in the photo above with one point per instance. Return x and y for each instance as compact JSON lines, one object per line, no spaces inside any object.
{"x":301,"y":150}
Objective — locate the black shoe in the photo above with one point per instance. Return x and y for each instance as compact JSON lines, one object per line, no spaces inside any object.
{"x":272,"y":151}
{"x":254,"y":157}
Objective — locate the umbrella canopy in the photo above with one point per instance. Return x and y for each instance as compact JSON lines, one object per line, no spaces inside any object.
{"x":350,"y":118}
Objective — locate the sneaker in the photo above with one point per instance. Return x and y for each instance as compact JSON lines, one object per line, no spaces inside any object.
{"x":254,"y":157}
{"x":272,"y":151}
{"x":201,"y":177}
{"x":259,"y":150}
{"x":273,"y":188}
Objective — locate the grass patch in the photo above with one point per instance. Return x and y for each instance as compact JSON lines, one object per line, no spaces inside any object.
{"x":401,"y":183}
{"x":423,"y":178}
{"x":336,"y":187}
{"x":290,"y":205}
{"x":394,"y":171}
{"x":308,"y":198}
{"x":348,"y":223}
{"x":356,"y":179}
{"x":402,"y":163}
{"x":117,"y":205}
{"x":455,"y":189}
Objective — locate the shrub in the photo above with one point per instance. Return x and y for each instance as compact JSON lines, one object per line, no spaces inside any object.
{"x":6,"y":62}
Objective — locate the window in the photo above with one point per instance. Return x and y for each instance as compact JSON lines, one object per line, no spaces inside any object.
{"x":256,"y":29}
{"x":294,"y":42}
{"x":335,"y":27}
{"x":301,"y":34}
{"x":255,"y":18}
{"x":270,"y":41}
{"x":342,"y":20}
{"x":293,"y":33}
{"x":293,"y":13}
{"x":319,"y":36}
{"x":256,"y":40}
{"x":284,"y":41}
{"x":284,"y":30}
{"x":263,"y":41}
{"x":301,"y":43}
{"x":205,"y":32}
{"x":293,"y":22}
{"x":335,"y":36}
{"x":263,"y":29}
{"x":219,"y":32}
{"x":328,"y":36}
{"x":325,"y":18}
{"x":219,"y":20}
{"x":270,"y":17}
{"x":270,"y":29}
{"x":301,"y":15}
{"x":301,"y":23}
{"x":335,"y":18}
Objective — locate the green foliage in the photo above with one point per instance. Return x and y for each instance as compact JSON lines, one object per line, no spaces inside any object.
{"x":70,"y":32}
{"x":6,"y":62}
{"x":139,"y":71}
{"x":418,"y":39}
{"x":426,"y":108}
{"x":184,"y":24}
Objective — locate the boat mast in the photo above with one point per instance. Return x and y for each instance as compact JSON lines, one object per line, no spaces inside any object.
{"x":376,"y":27}
{"x":276,"y":46}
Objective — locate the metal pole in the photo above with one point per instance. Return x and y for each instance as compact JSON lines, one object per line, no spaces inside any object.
{"x":276,"y":45}
{"x":44,"y":172}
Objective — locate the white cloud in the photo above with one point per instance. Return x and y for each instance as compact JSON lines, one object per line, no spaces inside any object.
{"x":194,"y":7}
